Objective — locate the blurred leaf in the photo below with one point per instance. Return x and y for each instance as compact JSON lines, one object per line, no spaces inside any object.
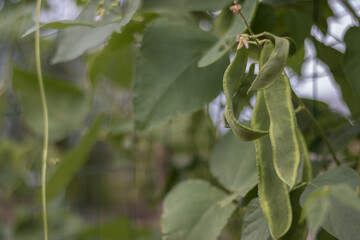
{"x":264,"y":19}
{"x":192,"y":133}
{"x":77,"y":40}
{"x":299,"y":25}
{"x":197,"y":217}
{"x":317,"y":10}
{"x":334,"y":188}
{"x":296,"y":61}
{"x":280,"y":2}
{"x":352,"y":59}
{"x":223,"y":45}
{"x":20,"y":18}
{"x":12,"y":165}
{"x":222,"y":22}
{"x":217,"y":51}
{"x":115,"y":61}
{"x":316,"y":207}
{"x":206,"y":5}
{"x":71,"y":163}
{"x":340,"y":137}
{"x":119,"y":229}
{"x":67,"y":104}
{"x":171,"y":84}
{"x":255,"y":225}
{"x":332,"y":57}
{"x":233,"y":162}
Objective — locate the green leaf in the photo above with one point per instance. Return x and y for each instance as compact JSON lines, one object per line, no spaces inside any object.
{"x":217,"y":51}
{"x":233,"y":162}
{"x":190,"y":133}
{"x":118,"y":229}
{"x":254,"y":223}
{"x":273,"y":193}
{"x":298,"y":24}
{"x":72,"y":162}
{"x":342,"y":217}
{"x":224,"y":44}
{"x":167,"y":85}
{"x":67,"y":104}
{"x":264,"y":19}
{"x":296,"y":61}
{"x":352,"y":58}
{"x":115,"y":61}
{"x":320,"y":7}
{"x":331,"y":57}
{"x":13,"y":165}
{"x":234,"y":78}
{"x":206,"y":5}
{"x":75,"y":41}
{"x":192,"y":211}
{"x":316,"y":208}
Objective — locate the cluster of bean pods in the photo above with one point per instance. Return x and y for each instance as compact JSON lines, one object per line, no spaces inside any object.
{"x":281,"y":152}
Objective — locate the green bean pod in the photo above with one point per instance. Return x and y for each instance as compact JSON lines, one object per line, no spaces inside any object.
{"x":286,"y":152}
{"x":273,"y":192}
{"x":233,"y":78}
{"x":275,"y":65}
{"x":283,"y":136}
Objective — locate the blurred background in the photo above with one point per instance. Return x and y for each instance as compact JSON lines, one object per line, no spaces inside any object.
{"x":105,"y":179}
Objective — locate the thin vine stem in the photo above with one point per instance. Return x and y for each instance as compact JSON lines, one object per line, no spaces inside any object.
{"x":250,"y":30}
{"x":45,"y":117}
{"x":317,"y":126}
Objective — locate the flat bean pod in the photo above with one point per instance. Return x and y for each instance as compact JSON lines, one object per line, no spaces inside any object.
{"x":233,"y":77}
{"x":275,"y":65}
{"x":283,"y":135}
{"x":273,"y":192}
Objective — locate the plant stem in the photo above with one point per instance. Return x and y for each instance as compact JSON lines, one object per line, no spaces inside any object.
{"x":351,"y":10}
{"x":45,"y":117}
{"x":250,"y":30}
{"x":321,"y":132}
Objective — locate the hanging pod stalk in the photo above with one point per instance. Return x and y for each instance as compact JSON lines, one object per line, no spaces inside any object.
{"x":275,"y":65}
{"x":273,"y":192}
{"x":234,"y":78}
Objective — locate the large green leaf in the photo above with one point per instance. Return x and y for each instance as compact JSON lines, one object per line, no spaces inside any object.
{"x":233,"y":162}
{"x":72,"y":161}
{"x":116,"y":61}
{"x":299,"y":25}
{"x":223,"y":45}
{"x":67,"y":104}
{"x":167,"y":80}
{"x":352,"y":58}
{"x":336,"y":190}
{"x":255,"y":225}
{"x":332,"y":57}
{"x":192,"y":212}
{"x":74,"y":41}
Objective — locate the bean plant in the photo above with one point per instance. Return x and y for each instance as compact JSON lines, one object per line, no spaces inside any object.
{"x":213,"y":80}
